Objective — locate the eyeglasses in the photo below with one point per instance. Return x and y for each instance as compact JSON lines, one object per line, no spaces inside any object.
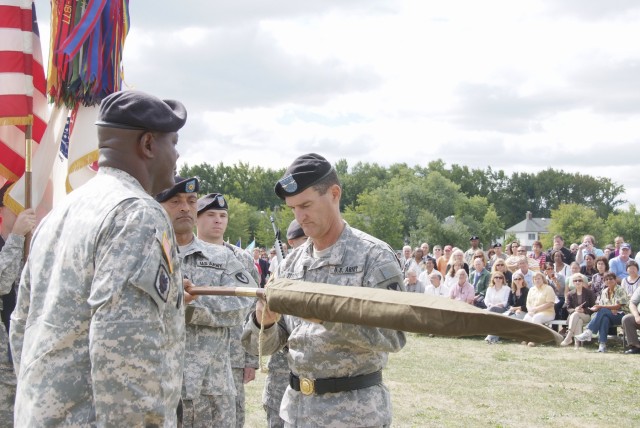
{"x":522,"y":251}
{"x":578,"y":280}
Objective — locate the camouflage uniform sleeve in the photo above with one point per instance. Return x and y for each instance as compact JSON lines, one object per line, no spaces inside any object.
{"x":273,"y":338}
{"x":224,"y":311}
{"x":10,"y":262}
{"x":19,"y":318}
{"x":136,"y":275}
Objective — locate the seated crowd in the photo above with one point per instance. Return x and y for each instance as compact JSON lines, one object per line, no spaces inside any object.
{"x":589,"y":290}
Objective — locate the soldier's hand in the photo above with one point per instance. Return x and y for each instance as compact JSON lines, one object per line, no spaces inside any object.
{"x":25,"y":222}
{"x":188,"y":298}
{"x":249,"y":374}
{"x":270,"y":317}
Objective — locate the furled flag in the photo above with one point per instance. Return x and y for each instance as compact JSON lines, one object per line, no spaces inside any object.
{"x":239,"y":243}
{"x":22,"y":84}
{"x":23,"y":102}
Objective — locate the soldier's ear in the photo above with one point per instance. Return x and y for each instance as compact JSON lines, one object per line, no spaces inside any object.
{"x":336,"y":192}
{"x":144,"y":144}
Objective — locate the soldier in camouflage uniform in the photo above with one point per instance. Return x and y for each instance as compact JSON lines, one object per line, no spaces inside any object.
{"x":11,"y":255}
{"x":207,"y":367}
{"x":102,"y":293}
{"x":212,"y":223}
{"x":277,"y":379}
{"x":336,"y":368}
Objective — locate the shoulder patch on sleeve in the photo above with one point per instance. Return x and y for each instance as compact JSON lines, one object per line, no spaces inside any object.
{"x":242,"y":278}
{"x":162,"y":283}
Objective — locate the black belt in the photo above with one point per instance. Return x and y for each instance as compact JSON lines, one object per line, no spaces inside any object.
{"x":338,"y":384}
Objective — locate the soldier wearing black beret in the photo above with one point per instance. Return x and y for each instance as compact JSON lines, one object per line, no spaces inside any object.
{"x":122,"y":297}
{"x":183,"y":185}
{"x":336,"y":366}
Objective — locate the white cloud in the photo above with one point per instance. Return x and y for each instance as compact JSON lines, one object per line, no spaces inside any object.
{"x":519,"y":86}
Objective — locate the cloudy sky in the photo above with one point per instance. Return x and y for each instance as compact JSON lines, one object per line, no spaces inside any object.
{"x":515,"y":85}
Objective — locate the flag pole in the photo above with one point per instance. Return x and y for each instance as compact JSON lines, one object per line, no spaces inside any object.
{"x":28,"y":151}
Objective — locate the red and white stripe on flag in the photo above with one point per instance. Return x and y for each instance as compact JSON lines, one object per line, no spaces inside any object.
{"x":23,"y":98}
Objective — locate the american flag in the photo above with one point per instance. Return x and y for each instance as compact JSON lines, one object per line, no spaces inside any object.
{"x":22,"y":84}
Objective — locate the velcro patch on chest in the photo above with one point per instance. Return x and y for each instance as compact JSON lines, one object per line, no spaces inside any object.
{"x":163,"y":283}
{"x":343,"y":270}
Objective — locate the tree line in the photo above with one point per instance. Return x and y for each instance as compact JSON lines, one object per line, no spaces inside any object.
{"x":438,"y":203}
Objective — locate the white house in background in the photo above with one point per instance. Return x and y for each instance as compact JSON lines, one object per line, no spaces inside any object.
{"x":530,"y":229}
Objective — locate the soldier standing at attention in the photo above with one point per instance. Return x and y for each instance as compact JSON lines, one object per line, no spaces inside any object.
{"x":213,"y":218}
{"x":102,"y":293}
{"x":12,"y":235}
{"x":336,"y":369}
{"x":207,"y":367}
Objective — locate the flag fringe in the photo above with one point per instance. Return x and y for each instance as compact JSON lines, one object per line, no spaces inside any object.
{"x":21,"y":120}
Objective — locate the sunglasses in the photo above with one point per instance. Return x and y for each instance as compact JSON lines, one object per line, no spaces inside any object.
{"x":518,"y":279}
{"x":578,"y":280}
{"x":499,"y":277}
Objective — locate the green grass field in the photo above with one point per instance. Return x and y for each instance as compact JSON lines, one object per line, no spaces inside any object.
{"x":437,"y":382}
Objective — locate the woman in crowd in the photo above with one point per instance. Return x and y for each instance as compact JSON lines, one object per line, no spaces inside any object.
{"x":558,"y":283}
{"x":631,"y":283}
{"x":516,"y":302}
{"x":500,"y":266}
{"x":450,"y":280}
{"x":589,"y":269}
{"x":497,"y":295}
{"x":458,"y":256}
{"x":579,"y":306}
{"x":540,"y":302}
{"x":560,"y":266}
{"x":597,"y":280}
{"x":614,"y":303}
{"x":537,"y":254}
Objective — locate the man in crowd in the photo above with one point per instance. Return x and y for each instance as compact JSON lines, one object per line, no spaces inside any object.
{"x":443,"y":261}
{"x":12,"y":236}
{"x":618,"y":265}
{"x":261,"y":265}
{"x":523,"y":269}
{"x":412,"y":284}
{"x":102,"y":292}
{"x":558,"y":245}
{"x":277,"y":379}
{"x":631,"y":324}
{"x":345,"y":361}
{"x":588,"y":246}
{"x":212,"y":221}
{"x":436,"y":288}
{"x":207,"y":364}
{"x":428,"y":267}
{"x":414,"y":263}
{"x":479,"y":278}
{"x":475,"y":245}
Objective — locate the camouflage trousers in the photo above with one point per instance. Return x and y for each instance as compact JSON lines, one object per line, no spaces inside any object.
{"x":273,"y":417}
{"x":238,"y":379}
{"x":209,"y":411}
{"x":7,"y":381}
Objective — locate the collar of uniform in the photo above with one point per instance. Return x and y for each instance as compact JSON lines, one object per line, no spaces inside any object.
{"x":124,"y":177}
{"x":338,"y":250}
{"x":195,"y":246}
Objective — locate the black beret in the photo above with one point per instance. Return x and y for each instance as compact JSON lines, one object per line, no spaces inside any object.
{"x":497,"y":245}
{"x":474,"y":238}
{"x":303,"y":173}
{"x":212,"y":201}
{"x":295,"y":230}
{"x":140,"y":111}
{"x":183,"y":185}
{"x":3,"y":190}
